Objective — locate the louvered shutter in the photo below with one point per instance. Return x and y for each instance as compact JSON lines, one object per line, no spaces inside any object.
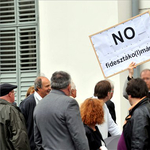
{"x":8,"y":55}
{"x":7,"y":12}
{"x":27,"y":11}
{"x":28,"y":57}
{"x":19,"y":59}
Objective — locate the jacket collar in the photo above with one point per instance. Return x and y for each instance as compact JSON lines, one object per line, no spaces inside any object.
{"x":136,"y":105}
{"x":57,"y":92}
{"x":4,"y":102}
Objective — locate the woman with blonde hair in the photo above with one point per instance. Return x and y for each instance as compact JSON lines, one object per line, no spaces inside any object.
{"x":92,"y":113}
{"x":30,"y":91}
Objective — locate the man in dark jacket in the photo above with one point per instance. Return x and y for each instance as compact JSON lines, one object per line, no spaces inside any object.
{"x":13,"y":134}
{"x":111,"y":105}
{"x":42,"y":88}
{"x":136,"y":131}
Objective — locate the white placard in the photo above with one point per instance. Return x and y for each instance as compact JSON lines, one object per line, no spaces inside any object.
{"x":118,"y":46}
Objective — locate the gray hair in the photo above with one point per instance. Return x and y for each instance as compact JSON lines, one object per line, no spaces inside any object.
{"x":37,"y":83}
{"x":60,"y":80}
{"x":73,"y":87}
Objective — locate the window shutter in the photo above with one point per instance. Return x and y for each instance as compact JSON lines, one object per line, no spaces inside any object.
{"x":8,"y":55}
{"x":7,"y":12}
{"x":27,"y":11}
{"x":19,"y":59}
{"x":28,"y":57}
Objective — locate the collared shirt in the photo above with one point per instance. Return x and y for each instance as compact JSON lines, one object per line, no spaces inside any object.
{"x":37,"y":97}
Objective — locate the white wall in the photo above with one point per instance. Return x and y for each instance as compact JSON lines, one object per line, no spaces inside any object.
{"x":65,"y":27}
{"x":64,"y":39}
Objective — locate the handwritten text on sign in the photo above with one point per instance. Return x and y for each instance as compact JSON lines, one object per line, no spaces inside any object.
{"x":118,"y":46}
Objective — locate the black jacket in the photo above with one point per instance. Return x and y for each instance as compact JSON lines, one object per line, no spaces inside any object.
{"x":27,"y":108}
{"x":94,"y":138}
{"x":137,"y":129}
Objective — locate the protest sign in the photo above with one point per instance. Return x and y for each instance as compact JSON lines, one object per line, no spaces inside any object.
{"x":118,"y":46}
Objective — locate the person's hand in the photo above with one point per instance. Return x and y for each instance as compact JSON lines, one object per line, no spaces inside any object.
{"x":131,"y":69}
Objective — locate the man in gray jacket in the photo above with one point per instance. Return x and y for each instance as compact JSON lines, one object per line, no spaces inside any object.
{"x":57,"y":119}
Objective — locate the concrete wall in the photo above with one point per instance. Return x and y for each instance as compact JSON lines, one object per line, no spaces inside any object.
{"x":65,"y":27}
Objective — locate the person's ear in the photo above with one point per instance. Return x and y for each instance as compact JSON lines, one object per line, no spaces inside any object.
{"x":129,"y":97}
{"x":69,"y":88}
{"x":108,"y":94}
{"x":38,"y":88}
{"x":10,"y":94}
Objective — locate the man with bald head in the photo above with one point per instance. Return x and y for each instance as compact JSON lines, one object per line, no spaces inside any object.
{"x":42,"y":88}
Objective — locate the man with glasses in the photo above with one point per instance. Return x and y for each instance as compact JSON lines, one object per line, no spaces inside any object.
{"x":13,"y":134}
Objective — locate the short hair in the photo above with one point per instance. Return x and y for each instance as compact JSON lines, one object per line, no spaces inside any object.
{"x":73,"y":87}
{"x":111,"y":84}
{"x":38,"y":83}
{"x":102,"y":88}
{"x":60,"y":80}
{"x":137,"y":88}
{"x":92,"y":111}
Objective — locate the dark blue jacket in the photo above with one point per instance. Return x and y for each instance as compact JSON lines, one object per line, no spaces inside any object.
{"x":27,"y":108}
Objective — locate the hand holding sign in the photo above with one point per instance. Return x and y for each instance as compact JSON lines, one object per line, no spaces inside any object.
{"x":122,"y":44}
{"x":131,"y":69}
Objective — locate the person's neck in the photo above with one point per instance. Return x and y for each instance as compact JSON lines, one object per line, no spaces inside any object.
{"x":39,"y":94}
{"x":6,"y":99}
{"x":92,"y":126}
{"x":66,"y":91}
{"x":104,"y":99}
{"x":134,"y":101}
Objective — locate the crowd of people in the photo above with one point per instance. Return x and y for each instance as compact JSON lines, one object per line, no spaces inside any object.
{"x":49,"y":118}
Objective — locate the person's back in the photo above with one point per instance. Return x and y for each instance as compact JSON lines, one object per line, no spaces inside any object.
{"x":57,"y":120}
{"x":92,"y":113}
{"x":136,"y":130}
{"x":111,"y":107}
{"x":139,"y":121}
{"x":13,"y":133}
{"x":102,"y":91}
{"x":15,"y":118}
{"x":52,"y":121}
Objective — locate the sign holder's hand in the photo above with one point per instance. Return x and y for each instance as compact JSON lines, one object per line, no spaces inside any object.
{"x":131,"y":69}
